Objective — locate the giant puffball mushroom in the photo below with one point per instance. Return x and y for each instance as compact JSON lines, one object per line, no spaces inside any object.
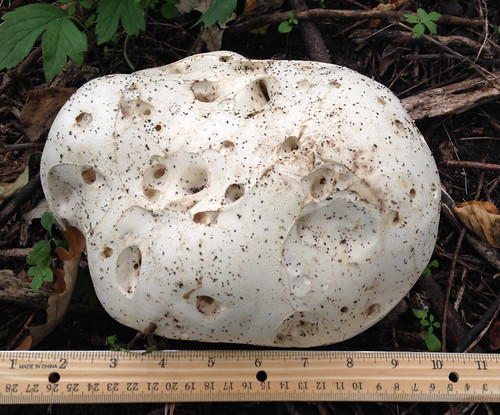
{"x":276,"y":203}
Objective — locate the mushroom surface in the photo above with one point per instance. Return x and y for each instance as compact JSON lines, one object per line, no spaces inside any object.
{"x":277,"y":203}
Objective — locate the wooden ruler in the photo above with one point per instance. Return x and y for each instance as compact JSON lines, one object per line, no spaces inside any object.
{"x":236,"y":375}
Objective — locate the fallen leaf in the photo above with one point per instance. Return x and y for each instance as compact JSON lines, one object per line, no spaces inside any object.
{"x":76,"y":242}
{"x":65,"y":283}
{"x":482,"y":218}
{"x":57,"y":303}
{"x":495,"y":336}
{"x":389,"y":6}
{"x":41,"y":109}
{"x":11,"y":189}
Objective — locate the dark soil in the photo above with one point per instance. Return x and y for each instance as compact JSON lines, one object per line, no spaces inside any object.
{"x":406,"y":68}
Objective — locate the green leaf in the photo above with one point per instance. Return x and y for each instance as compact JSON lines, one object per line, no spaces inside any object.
{"x":85,"y":5}
{"x":411,"y":18}
{"x":420,"y":314}
{"x":61,"y":40}
{"x":431,"y":318}
{"x":40,"y":275}
{"x":39,"y":252}
{"x":434,"y":16}
{"x":422,"y":14}
{"x":47,"y":220}
{"x":110,"y":12}
{"x":425,"y":323}
{"x":169,"y":11}
{"x":436,"y":324}
{"x":22,"y":28}
{"x":219,"y":10}
{"x":431,"y":26}
{"x":419,"y":29}
{"x":432,"y":342}
{"x":434,"y":263}
{"x":61,"y":243}
{"x":284,"y":27}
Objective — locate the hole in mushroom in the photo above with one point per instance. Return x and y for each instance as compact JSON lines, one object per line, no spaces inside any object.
{"x":128,"y":269}
{"x":204,"y":91}
{"x":322,"y":183}
{"x":290,"y":145}
{"x":234,"y":192}
{"x":304,"y":85}
{"x":372,"y":309}
{"x":261,"y":83}
{"x":206,"y":218}
{"x":207,"y":305}
{"x":151,"y":193}
{"x":335,"y":84}
{"x":84,"y":119}
{"x":147,"y":112}
{"x":344,"y":309}
{"x":227,"y":145}
{"x":107,"y":252}
{"x":413,"y":193}
{"x":159,"y":172}
{"x":225,"y":58}
{"x":89,"y":176}
{"x":158,"y":127}
{"x":252,"y":99}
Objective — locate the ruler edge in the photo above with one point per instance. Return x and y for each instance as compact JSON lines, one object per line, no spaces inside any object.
{"x":252,"y":353}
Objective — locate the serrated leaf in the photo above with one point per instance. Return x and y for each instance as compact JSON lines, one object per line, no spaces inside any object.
{"x":39,"y":252}
{"x":431,"y":26}
{"x":36,"y":283}
{"x":110,"y":12}
{"x":434,"y":16}
{"x":422,"y":13}
{"x":47,"y":221}
{"x":418,"y":29}
{"x":20,"y":30}
{"x":432,"y":342}
{"x":219,"y":10}
{"x":40,"y":275}
{"x":61,"y":40}
{"x":420,"y":314}
{"x":411,"y":18}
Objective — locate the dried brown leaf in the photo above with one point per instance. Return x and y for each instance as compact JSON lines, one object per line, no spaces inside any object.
{"x":495,"y":336}
{"x":482,"y":218}
{"x":76,"y":242}
{"x":41,"y":109}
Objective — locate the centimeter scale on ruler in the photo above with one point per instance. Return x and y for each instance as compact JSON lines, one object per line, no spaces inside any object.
{"x":242,"y":375}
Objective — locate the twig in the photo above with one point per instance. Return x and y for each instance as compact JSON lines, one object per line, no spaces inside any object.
{"x":478,"y":331}
{"x":325,"y":14}
{"x":19,"y":199}
{"x":472,"y":165}
{"x":448,"y":288}
{"x":313,"y":42}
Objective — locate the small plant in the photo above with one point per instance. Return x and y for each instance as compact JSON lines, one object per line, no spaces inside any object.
{"x":428,"y":269}
{"x":219,"y":11}
{"x":288,"y":25}
{"x":428,"y":322}
{"x":39,"y":257}
{"x":64,"y":29}
{"x":321,"y":2}
{"x":113,"y":344}
{"x":422,"y":20}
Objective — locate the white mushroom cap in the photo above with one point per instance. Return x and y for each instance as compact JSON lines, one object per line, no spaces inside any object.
{"x":224,"y":199}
